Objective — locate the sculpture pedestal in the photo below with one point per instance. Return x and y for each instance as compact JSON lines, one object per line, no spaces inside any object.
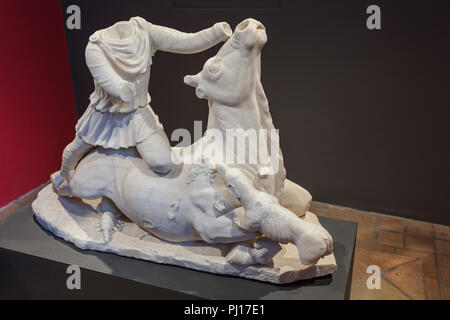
{"x":77,"y":222}
{"x":34,"y":262}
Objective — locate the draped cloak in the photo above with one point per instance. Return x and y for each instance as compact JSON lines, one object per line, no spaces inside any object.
{"x":108,"y":121}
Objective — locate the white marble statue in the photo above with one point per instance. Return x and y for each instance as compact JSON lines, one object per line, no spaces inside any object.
{"x":129,"y":165}
{"x":119,"y":115}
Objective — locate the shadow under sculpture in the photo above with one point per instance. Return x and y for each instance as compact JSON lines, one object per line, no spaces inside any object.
{"x":184,"y":205}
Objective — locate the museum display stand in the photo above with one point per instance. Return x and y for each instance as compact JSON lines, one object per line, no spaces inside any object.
{"x":34,"y":266}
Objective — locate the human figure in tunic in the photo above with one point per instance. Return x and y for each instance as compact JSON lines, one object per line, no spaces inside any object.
{"x":119,"y":114}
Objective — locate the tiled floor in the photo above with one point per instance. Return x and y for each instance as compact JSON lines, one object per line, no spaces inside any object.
{"x":413,"y":256}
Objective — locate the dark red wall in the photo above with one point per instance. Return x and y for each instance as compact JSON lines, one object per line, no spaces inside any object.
{"x":37,"y":104}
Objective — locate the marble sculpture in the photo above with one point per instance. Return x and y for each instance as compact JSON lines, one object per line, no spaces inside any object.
{"x":123,"y":189}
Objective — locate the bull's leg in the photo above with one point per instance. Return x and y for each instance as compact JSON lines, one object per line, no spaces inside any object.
{"x":264,"y":214}
{"x":260,"y":251}
{"x":110,"y":220}
{"x":223,"y":229}
{"x":278,"y":223}
{"x":295,"y":198}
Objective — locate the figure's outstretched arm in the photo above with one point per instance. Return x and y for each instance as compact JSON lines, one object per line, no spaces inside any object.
{"x":171,"y":40}
{"x":105,"y":75}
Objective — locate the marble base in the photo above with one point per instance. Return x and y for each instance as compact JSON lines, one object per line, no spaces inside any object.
{"x":75,"y":221}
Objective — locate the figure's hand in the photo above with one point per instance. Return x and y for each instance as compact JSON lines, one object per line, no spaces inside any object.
{"x":127,"y":91}
{"x":223,"y":30}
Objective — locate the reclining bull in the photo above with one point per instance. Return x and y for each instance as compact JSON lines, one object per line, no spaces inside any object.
{"x":205,"y":199}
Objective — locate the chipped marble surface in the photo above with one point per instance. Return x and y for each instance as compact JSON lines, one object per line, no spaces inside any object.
{"x":75,"y":221}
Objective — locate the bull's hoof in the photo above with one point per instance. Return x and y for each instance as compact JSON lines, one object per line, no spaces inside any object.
{"x":262,"y":252}
{"x":109,"y":223}
{"x":314,"y":243}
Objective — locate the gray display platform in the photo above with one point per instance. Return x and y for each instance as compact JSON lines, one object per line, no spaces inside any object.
{"x":33,"y":264}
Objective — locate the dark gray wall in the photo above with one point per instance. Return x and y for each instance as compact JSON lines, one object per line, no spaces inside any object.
{"x":363,"y":115}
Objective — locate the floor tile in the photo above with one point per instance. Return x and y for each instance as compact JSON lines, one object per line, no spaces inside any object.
{"x":412,"y":253}
{"x":409,"y":279}
{"x":363,"y":218}
{"x":444,"y":276}
{"x":442,"y":247}
{"x":365,"y":233}
{"x":386,"y":292}
{"x":319,"y":208}
{"x":446,"y":293}
{"x":338,"y":214}
{"x":430,"y":267}
{"x":432,"y":289}
{"x":419,"y":228}
{"x":360,"y":291}
{"x":390,"y":238}
{"x":441,"y":232}
{"x":359,"y":269}
{"x":390,"y":223}
{"x":443,"y":261}
{"x":419,"y":243}
{"x":444,"y":269}
{"x":374,"y":246}
{"x":385,"y":261}
{"x":428,"y":260}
